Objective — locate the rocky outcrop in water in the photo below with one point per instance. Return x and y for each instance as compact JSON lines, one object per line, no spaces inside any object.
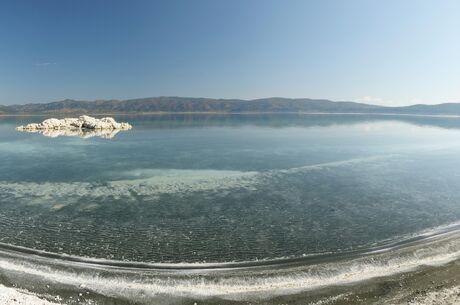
{"x":80,"y":133}
{"x":84,"y":122}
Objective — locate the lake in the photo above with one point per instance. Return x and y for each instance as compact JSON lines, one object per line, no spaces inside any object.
{"x":236,"y":188}
{"x":226,"y":208}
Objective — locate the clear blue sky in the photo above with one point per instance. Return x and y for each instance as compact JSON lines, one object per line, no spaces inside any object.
{"x":385,"y":52}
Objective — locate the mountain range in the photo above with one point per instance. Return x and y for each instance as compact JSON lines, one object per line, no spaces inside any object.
{"x":209,"y":105}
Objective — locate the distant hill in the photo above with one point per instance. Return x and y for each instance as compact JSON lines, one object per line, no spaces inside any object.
{"x":185,"y":105}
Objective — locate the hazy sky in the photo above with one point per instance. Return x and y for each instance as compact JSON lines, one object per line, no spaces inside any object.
{"x":385,"y":52}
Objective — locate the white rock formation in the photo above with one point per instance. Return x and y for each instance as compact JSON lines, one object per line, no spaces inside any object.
{"x":84,"y":122}
{"x":81,"y":133}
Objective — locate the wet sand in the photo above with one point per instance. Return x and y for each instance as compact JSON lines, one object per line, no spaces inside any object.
{"x":428,"y":285}
{"x":438,"y":285}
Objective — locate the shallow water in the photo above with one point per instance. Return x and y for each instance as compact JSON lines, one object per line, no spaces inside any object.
{"x":216,"y":189}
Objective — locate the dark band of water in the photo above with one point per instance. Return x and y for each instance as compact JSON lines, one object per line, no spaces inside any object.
{"x":286,"y":262}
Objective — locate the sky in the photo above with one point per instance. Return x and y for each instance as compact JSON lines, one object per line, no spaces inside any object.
{"x":389,"y":52}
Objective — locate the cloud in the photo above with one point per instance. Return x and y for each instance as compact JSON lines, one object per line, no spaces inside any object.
{"x":367,"y":99}
{"x":44,"y":64}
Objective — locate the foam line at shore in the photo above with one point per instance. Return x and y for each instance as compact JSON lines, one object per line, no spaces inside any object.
{"x":395,"y":243}
{"x":232,"y":283}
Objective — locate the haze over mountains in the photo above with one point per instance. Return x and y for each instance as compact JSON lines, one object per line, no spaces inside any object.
{"x":209,"y":105}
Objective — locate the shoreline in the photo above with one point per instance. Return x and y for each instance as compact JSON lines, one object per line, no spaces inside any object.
{"x":223,"y":114}
{"x":415,"y":274}
{"x":425,"y":237}
{"x":434,"y":285}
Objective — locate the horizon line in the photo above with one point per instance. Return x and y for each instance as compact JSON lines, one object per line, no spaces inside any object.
{"x":225,"y":99}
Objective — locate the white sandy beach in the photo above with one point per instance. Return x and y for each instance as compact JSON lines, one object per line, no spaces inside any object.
{"x":447,"y":296}
{"x":10,"y":296}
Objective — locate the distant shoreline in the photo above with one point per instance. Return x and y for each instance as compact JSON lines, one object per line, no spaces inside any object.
{"x":164,"y":105}
{"x":161,"y":113}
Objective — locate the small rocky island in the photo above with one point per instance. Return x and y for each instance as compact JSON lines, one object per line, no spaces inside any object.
{"x":83,"y":122}
{"x":83,"y":126}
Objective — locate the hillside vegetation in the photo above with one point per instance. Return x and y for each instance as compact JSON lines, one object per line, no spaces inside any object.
{"x":184,"y":105}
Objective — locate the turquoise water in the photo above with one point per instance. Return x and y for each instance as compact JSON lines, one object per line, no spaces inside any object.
{"x":195,"y":189}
